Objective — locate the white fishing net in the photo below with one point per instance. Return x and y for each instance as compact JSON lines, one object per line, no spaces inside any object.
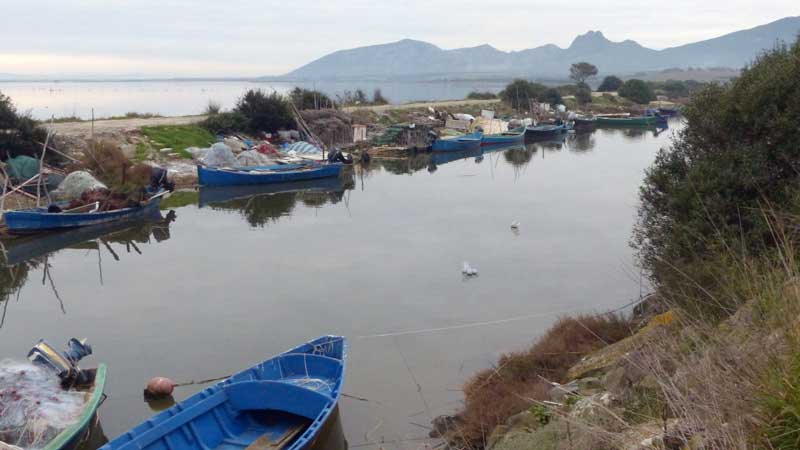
{"x":253,"y":158}
{"x":220,"y":155}
{"x":34,"y":408}
{"x":75,"y":184}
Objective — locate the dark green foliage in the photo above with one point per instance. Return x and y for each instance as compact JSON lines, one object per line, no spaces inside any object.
{"x":349,"y":98}
{"x":265,"y":112}
{"x":637,"y":91}
{"x":378,"y":98}
{"x":309,"y":99}
{"x":552,"y":97}
{"x":226,"y":122}
{"x":782,"y":405}
{"x":567,"y":89}
{"x":475,"y":95}
{"x":520,"y":93}
{"x":738,"y":154}
{"x":610,"y":83}
{"x":675,"y":88}
{"x":18,"y":132}
{"x":582,"y":71}
{"x":583,"y":94}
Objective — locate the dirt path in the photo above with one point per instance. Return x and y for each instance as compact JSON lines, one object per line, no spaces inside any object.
{"x":384,"y":108}
{"x":117,"y":125}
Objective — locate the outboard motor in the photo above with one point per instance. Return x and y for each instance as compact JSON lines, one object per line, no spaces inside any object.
{"x":64,"y":364}
{"x":335,"y":155}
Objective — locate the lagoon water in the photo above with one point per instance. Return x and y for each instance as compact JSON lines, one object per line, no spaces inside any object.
{"x":229,"y":279}
{"x":177,"y":98}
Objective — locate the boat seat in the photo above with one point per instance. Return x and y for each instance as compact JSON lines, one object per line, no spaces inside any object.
{"x":277,"y":396}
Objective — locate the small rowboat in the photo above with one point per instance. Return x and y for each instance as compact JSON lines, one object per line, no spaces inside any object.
{"x":282,"y":173}
{"x":40,"y":220}
{"x":515,"y":136}
{"x":280,"y":404}
{"x":640,"y":121}
{"x":464,"y":143}
{"x":545,"y":131}
{"x":74,"y":436}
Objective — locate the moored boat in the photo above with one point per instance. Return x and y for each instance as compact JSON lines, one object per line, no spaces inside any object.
{"x":41,"y":219}
{"x":636,"y":121}
{"x":279,"y":404}
{"x":514,"y":136}
{"x":281,"y":173}
{"x":583,"y":122}
{"x":73,"y":437}
{"x":463,"y":143}
{"x":544,"y":131}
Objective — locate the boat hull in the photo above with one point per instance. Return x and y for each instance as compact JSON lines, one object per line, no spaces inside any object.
{"x":284,"y":400}
{"x":626,"y":121}
{"x":39,"y":220}
{"x":543,"y":132}
{"x":465,"y":143}
{"x":209,"y":176}
{"x":503,"y":139}
{"x":73,"y":437}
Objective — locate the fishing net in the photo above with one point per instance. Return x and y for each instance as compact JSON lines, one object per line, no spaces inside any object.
{"x":253,"y":158}
{"x":34,"y":408}
{"x":75,"y":184}
{"x":220,"y":155}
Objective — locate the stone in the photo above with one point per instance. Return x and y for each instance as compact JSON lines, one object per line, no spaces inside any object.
{"x":165,"y":150}
{"x":589,"y":385}
{"x":525,"y":419}
{"x":559,"y":391}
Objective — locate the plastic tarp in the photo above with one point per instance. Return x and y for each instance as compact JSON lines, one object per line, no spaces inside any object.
{"x":35,"y":409}
{"x":220,"y":155}
{"x":301,"y":148}
{"x":75,"y":184}
{"x":253,"y":158}
{"x":197,"y":152}
{"x":22,"y":167}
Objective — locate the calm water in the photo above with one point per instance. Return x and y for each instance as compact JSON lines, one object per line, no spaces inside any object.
{"x":219,"y":285}
{"x":173,"y":98}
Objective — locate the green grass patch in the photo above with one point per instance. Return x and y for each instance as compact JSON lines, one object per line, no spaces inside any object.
{"x":180,"y":199}
{"x":179,"y":137}
{"x":142,"y":152}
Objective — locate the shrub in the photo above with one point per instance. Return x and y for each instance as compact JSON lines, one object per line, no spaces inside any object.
{"x":737,"y":154}
{"x":583,"y":95}
{"x":213,"y":108}
{"x":552,"y":96}
{"x":637,"y":91}
{"x":19,"y":132}
{"x":476,"y":95}
{"x":265,"y":112}
{"x":378,"y":98}
{"x":310,"y":99}
{"x":107,"y":162}
{"x":226,"y":122}
{"x":610,"y":83}
{"x":519,"y":93}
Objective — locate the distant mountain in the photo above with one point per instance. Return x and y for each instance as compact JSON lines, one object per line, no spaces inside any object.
{"x":414,"y":59}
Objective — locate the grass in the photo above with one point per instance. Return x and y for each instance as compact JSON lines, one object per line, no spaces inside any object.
{"x":178,"y":137}
{"x":128,"y":115}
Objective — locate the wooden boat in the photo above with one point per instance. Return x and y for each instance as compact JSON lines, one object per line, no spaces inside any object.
{"x":38,"y":220}
{"x":464,"y":143}
{"x":583,"y":122}
{"x":515,"y":136}
{"x":640,"y":121}
{"x":668,"y":112}
{"x":282,"y":173}
{"x":74,"y":436}
{"x":543,"y":131}
{"x":280,"y":404}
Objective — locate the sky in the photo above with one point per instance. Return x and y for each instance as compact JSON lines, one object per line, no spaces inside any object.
{"x":166,"y":38}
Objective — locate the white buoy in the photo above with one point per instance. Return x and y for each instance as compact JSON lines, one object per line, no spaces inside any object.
{"x":515,"y":225}
{"x":469,"y":270}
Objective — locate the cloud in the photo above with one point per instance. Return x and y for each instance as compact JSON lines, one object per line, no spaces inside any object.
{"x":249,"y":38}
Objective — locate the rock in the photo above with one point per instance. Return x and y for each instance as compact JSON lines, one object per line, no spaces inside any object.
{"x":598,"y":410}
{"x":589,"y":385}
{"x":559,"y":391}
{"x":165,"y":150}
{"x":443,"y":424}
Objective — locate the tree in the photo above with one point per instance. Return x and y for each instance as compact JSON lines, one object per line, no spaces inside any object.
{"x":583,"y":95}
{"x":552,"y":96}
{"x":737,"y":155}
{"x":19,"y":132}
{"x":582,"y":71}
{"x":637,"y":91}
{"x":265,"y":112}
{"x":610,"y":83}
{"x":378,"y":98}
{"x":519,"y":93}
{"x":310,"y":99}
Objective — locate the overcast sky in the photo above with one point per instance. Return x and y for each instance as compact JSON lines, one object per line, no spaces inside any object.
{"x":266,"y":37}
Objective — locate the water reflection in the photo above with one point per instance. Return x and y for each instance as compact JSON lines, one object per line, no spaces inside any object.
{"x":261,"y":205}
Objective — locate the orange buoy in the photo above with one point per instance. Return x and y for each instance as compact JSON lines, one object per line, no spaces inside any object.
{"x":159,"y":387}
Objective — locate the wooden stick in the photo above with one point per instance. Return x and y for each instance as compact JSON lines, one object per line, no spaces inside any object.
{"x":33,"y":178}
{"x":58,"y":152}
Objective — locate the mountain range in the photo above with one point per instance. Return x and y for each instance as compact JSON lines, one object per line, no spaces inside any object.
{"x":416,"y":59}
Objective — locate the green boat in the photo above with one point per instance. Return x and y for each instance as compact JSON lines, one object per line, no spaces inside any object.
{"x":74,"y":436}
{"x":640,"y":121}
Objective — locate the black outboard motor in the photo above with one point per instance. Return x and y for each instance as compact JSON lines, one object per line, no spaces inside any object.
{"x":335,"y":155}
{"x":64,"y":364}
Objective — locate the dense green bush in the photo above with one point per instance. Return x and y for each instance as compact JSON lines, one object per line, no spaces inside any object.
{"x":18,"y":132}
{"x":519,"y":93}
{"x":226,"y":122}
{"x":583,"y":95}
{"x":310,"y":99}
{"x":476,"y":95}
{"x":738,"y":155}
{"x":265,"y":112}
{"x":610,"y":83}
{"x":378,"y":98}
{"x":552,"y":96}
{"x":637,"y":91}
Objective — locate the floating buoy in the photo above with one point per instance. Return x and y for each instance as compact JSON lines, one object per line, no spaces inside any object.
{"x":515,"y":225}
{"x":159,"y":387}
{"x":468,"y":270}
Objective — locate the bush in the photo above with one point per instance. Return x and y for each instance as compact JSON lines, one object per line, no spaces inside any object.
{"x":213,"y":108}
{"x":583,"y":95}
{"x":227,"y":122}
{"x":308,"y":99}
{"x":378,"y":98}
{"x":18,"y":132}
{"x":552,"y":96}
{"x":737,"y":155}
{"x":475,"y":95}
{"x":519,"y":93}
{"x":107,"y":162}
{"x":637,"y":91}
{"x":265,"y":112}
{"x":610,"y":84}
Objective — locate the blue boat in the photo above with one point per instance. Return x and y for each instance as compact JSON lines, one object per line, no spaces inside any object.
{"x":280,"y":404}
{"x":544,"y":131}
{"x":38,"y":220}
{"x":281,"y":173}
{"x":464,"y":143}
{"x":515,"y":136}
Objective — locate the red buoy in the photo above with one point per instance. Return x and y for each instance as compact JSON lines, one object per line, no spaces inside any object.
{"x":159,"y":387}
